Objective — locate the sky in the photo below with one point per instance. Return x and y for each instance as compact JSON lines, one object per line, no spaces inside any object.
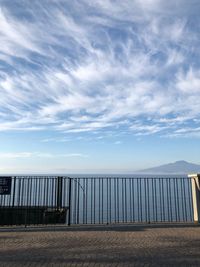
{"x":98,"y":86}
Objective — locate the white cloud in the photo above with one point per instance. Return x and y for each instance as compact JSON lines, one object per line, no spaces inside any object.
{"x":99,"y":66}
{"x":147,"y":129}
{"x":118,"y":142}
{"x":16,"y":37}
{"x":15,"y":155}
{"x":189,"y":82}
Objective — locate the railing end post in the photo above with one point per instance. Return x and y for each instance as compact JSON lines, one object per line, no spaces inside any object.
{"x":194,"y":175}
{"x":195,"y":183}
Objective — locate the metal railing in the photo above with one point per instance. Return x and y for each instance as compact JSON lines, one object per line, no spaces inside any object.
{"x":123,"y":200}
{"x":96,"y":200}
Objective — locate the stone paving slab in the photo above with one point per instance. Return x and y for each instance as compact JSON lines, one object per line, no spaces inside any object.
{"x":126,"y":245}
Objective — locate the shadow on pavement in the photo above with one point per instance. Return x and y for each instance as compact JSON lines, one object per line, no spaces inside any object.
{"x":88,"y":228}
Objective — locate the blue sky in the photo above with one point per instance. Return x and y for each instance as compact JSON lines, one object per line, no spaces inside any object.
{"x":98,"y":85}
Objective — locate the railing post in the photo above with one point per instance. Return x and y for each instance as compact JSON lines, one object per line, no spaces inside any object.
{"x":59,"y":192}
{"x":13,"y":200}
{"x":195,"y":182}
{"x":69,"y":201}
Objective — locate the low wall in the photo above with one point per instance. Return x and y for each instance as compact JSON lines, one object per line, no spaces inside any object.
{"x":32,"y":215}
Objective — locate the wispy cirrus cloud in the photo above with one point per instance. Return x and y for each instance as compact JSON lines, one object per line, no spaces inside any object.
{"x":89,"y":66}
{"x":15,"y":155}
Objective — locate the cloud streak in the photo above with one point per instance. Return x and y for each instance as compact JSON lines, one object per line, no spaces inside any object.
{"x":99,"y":66}
{"x":16,"y":155}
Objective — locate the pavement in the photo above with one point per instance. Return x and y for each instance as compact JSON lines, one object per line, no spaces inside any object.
{"x":121,"y":245}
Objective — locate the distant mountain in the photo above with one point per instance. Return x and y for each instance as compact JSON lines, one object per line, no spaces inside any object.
{"x":178,"y":167}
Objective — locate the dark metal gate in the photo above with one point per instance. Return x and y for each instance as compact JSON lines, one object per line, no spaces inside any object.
{"x":35,"y":200}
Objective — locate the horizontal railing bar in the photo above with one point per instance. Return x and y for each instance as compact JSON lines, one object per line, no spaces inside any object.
{"x":134,"y":178}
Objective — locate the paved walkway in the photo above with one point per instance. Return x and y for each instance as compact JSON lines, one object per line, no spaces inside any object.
{"x":129,"y":245}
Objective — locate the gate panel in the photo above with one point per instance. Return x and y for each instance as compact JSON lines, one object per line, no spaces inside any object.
{"x":35,"y":200}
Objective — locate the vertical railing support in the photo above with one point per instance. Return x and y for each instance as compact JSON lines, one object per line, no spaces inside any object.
{"x":14,"y":185}
{"x":59,"y":192}
{"x":69,"y":201}
{"x":195,"y":182}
